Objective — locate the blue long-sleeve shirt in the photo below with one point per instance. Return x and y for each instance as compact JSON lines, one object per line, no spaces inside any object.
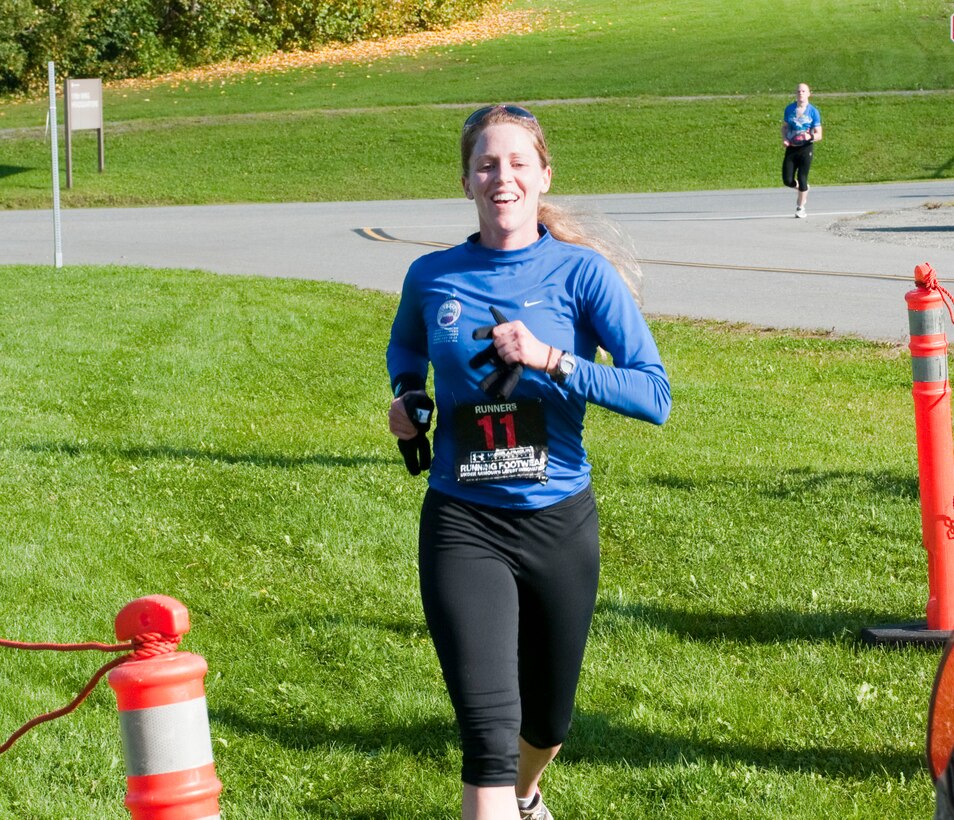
{"x":568,"y":296}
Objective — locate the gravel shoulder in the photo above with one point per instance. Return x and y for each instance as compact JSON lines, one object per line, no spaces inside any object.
{"x":928,"y":226}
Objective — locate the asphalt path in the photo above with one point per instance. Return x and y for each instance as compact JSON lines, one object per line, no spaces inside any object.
{"x":737,"y":256}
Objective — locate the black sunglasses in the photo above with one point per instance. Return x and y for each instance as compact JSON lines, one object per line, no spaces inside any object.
{"x":481,"y":113}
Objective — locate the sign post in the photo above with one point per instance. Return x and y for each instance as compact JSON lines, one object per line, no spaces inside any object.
{"x":84,"y":112}
{"x":57,"y":237}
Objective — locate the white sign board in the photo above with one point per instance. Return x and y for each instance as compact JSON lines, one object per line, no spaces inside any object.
{"x":84,"y":112}
{"x":84,"y":102}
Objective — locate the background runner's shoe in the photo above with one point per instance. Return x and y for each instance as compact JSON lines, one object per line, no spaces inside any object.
{"x":536,"y":811}
{"x":800,"y":212}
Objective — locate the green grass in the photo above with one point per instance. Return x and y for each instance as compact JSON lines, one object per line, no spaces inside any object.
{"x":223,"y":440}
{"x":264,"y":161}
{"x":382,"y":130}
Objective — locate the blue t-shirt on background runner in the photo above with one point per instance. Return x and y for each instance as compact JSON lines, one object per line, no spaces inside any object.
{"x":800,"y":127}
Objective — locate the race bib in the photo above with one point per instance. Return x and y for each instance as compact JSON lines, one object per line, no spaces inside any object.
{"x":503,"y":441}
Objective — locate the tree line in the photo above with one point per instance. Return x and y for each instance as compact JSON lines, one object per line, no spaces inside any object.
{"x":115,"y":39}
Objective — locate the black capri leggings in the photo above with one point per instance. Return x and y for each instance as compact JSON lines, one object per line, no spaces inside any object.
{"x":797,"y":161}
{"x":508,"y":596}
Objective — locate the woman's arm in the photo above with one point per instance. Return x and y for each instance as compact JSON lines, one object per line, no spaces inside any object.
{"x":407,"y":358}
{"x":637,"y":384}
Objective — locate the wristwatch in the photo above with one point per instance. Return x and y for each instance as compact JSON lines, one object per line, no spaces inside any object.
{"x":566,"y":364}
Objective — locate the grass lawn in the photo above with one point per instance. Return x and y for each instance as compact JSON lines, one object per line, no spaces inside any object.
{"x":223,"y":440}
{"x":388,"y":128}
{"x":402,"y":153}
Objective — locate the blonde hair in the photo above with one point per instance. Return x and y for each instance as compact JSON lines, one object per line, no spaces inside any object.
{"x":600,"y":234}
{"x":596,"y":232}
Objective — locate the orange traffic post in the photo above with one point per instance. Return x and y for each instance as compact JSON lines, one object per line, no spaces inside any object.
{"x":167,"y":745}
{"x":935,"y":446}
{"x":932,"y":417}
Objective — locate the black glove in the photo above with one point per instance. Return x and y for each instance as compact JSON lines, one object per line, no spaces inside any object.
{"x":419,"y":408}
{"x":500,"y":383}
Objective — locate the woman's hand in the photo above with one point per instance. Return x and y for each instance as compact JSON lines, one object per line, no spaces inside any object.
{"x":399,"y":423}
{"x":515,"y":344}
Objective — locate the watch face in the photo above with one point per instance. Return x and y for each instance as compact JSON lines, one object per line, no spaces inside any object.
{"x":567,"y":364}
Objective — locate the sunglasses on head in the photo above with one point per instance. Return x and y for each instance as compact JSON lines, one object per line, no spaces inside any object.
{"x":481,"y":114}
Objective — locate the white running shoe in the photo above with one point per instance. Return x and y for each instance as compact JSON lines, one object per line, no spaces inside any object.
{"x":800,"y":212}
{"x":536,"y":811}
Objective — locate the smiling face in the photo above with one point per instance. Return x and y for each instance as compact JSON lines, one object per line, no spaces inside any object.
{"x":505,"y":177}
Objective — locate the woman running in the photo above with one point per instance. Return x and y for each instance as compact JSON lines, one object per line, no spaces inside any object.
{"x":801,"y":129}
{"x":510,"y":321}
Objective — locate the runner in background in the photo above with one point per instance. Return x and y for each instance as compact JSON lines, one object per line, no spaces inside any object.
{"x":801,"y":129}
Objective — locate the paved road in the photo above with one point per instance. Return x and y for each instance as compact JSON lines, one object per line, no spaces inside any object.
{"x":730,"y":255}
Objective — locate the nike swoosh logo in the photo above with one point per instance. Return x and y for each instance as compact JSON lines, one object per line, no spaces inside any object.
{"x":528,"y":303}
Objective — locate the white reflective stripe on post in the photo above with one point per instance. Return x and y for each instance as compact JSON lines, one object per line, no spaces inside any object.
{"x":925,"y":322}
{"x":163,"y":739}
{"x":929,"y":368}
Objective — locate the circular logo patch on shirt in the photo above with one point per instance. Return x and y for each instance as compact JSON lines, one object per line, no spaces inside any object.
{"x":448,"y":313}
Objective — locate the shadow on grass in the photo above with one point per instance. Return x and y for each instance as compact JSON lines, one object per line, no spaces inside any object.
{"x":426,"y":739}
{"x":767,"y":626}
{"x":11,"y":170}
{"x":596,"y":738}
{"x":402,"y":627}
{"x":942,"y":170}
{"x":803,"y":482}
{"x":193,"y":454}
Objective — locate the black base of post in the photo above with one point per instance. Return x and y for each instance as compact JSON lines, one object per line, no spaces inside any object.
{"x":914,"y":633}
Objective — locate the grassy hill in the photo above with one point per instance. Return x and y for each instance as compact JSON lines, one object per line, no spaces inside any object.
{"x":641,"y":97}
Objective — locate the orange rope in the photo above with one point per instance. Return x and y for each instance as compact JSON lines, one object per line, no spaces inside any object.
{"x":153,"y":644}
{"x":926,"y":277}
{"x":64,"y":710}
{"x":68,"y":647}
{"x":147,"y":645}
